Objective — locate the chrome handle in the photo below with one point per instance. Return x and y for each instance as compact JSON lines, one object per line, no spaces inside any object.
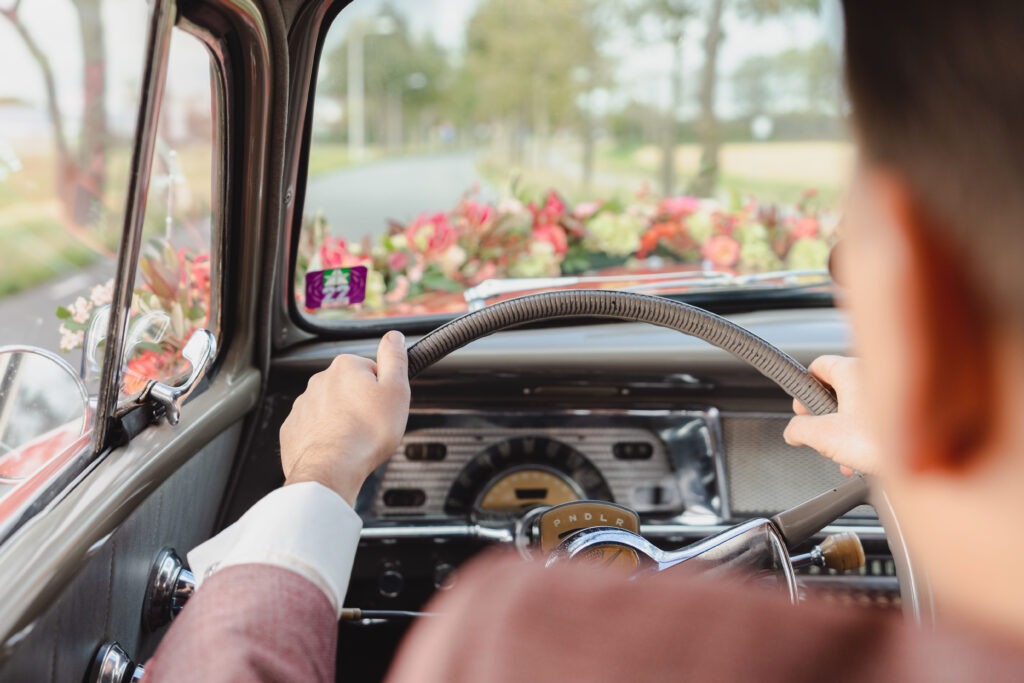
{"x":199,"y":352}
{"x":113,"y":665}
{"x":170,"y":586}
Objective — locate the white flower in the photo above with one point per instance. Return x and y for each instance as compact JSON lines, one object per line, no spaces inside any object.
{"x":452,"y":259}
{"x":511,"y":206}
{"x":614,"y":234}
{"x":542,"y":261}
{"x":80,"y":310}
{"x":101,"y":295}
{"x":70,"y":340}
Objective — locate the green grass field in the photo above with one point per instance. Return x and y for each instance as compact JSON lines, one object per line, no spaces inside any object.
{"x":777,"y":172}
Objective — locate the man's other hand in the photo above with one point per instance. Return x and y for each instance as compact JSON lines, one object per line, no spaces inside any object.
{"x":842,"y":436}
{"x":349,"y":420}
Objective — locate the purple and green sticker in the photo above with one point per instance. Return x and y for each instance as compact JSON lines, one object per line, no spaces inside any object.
{"x":335,"y":287}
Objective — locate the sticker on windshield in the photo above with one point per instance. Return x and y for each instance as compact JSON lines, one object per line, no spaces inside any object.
{"x":335,"y":287}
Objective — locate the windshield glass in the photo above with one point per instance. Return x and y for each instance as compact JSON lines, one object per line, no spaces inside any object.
{"x":659,"y":145}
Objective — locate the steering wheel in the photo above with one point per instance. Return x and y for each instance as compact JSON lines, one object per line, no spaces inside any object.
{"x":769,"y":360}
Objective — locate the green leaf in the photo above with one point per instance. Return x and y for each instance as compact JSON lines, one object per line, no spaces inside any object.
{"x":63,"y":313}
{"x":149,"y":346}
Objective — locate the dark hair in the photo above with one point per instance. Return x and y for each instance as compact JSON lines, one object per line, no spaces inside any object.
{"x":937,"y":91}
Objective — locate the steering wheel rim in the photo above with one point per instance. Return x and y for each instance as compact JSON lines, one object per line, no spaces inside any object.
{"x":769,"y":360}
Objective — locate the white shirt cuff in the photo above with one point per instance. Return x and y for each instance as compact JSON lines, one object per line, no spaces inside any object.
{"x":304,"y":527}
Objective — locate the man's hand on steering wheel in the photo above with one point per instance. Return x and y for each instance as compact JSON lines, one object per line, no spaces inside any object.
{"x":349,"y":420}
{"x":841,"y":436}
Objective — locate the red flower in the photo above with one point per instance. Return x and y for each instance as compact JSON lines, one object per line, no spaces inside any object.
{"x":553,"y":233}
{"x":806,"y":227}
{"x":650,"y":239}
{"x":430,"y":234}
{"x":723,"y":251}
{"x":551,"y":212}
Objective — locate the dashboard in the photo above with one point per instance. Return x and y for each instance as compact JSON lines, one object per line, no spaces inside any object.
{"x":663,"y":424}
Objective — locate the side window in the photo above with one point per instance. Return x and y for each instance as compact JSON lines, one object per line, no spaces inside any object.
{"x":69,"y":96}
{"x":69,"y":90}
{"x":173,"y":285}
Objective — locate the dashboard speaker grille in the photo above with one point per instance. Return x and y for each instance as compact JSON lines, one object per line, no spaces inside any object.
{"x":764,"y":475}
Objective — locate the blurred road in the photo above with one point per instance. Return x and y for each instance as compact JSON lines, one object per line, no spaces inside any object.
{"x":359,"y":201}
{"x":29,"y":317}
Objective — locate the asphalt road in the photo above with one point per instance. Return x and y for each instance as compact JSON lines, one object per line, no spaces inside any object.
{"x":359,"y":201}
{"x":29,"y":317}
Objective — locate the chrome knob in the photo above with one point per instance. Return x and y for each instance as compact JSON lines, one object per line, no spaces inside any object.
{"x":170,"y":586}
{"x":113,"y":665}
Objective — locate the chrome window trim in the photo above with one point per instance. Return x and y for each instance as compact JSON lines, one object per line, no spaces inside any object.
{"x":154,"y":73}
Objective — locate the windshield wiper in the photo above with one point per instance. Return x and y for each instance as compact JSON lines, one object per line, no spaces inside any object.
{"x":663,"y":283}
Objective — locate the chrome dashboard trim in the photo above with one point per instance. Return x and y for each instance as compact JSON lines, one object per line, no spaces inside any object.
{"x":432,"y":529}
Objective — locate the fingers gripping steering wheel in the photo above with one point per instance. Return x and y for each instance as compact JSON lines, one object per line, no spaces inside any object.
{"x":767,"y":359}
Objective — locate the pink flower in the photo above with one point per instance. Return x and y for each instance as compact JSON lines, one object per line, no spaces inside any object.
{"x":399,"y":292}
{"x":476,"y":213}
{"x":677,"y":207}
{"x":551,"y":211}
{"x":398,"y":261}
{"x":430,"y":234}
{"x":481,"y":271}
{"x":553,"y":234}
{"x":585,"y":210}
{"x":806,"y":227}
{"x":723,"y":251}
{"x":335,"y":254}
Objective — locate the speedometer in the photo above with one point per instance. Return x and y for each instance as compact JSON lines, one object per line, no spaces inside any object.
{"x":526,"y":486}
{"x":523,"y":472}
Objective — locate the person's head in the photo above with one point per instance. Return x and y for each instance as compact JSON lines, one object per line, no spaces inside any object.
{"x":934,"y":260}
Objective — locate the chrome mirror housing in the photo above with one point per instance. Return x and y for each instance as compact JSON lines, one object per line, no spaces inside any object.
{"x":44,"y":407}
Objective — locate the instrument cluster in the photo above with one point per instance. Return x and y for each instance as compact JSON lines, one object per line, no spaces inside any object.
{"x":661,"y":464}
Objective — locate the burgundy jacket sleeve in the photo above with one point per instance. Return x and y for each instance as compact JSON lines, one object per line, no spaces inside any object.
{"x":509,"y":621}
{"x":250,"y":622}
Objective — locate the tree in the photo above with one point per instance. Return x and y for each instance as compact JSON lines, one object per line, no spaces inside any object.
{"x":528,"y":62}
{"x":805,"y":79}
{"x":81,"y":177}
{"x":707,"y":125}
{"x":405,"y":79}
{"x":665,"y":21}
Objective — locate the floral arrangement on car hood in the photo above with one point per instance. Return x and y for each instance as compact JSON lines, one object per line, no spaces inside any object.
{"x":171,"y":301}
{"x":417,"y":268}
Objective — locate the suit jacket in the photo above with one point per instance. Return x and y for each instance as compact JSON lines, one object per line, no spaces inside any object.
{"x":513,"y":622}
{"x":509,"y":622}
{"x":251,"y":622}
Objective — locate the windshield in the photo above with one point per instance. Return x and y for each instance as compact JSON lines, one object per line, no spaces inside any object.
{"x":460,"y":144}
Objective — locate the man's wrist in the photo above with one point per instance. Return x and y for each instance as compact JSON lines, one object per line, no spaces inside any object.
{"x":346,"y":485}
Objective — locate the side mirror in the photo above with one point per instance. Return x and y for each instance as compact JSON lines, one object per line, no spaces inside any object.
{"x":44,"y":408}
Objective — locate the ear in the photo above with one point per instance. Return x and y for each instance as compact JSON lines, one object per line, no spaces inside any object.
{"x":951,"y":360}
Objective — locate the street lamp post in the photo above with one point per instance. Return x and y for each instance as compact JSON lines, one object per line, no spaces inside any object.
{"x":356,"y":105}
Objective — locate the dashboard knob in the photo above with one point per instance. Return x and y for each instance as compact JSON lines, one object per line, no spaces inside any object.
{"x":444,"y":576}
{"x":390,"y":583}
